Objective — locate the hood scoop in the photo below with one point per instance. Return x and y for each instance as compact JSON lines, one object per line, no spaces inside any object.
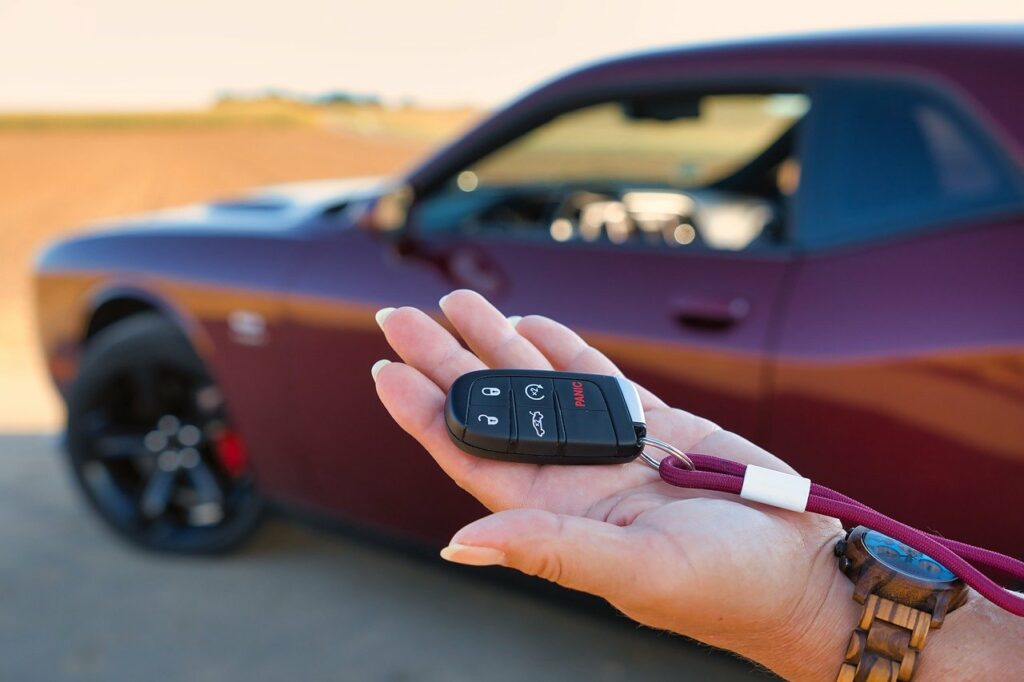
{"x":255,"y":204}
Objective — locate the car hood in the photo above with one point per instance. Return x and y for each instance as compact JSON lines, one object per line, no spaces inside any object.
{"x":274,"y":208}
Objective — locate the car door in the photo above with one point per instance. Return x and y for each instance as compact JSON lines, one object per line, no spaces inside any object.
{"x":671,"y":258}
{"x":901,"y":353}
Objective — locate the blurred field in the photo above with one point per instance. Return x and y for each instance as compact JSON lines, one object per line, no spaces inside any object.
{"x":60,"y":171}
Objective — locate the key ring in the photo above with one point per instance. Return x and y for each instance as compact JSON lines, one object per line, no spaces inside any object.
{"x":670,"y":449}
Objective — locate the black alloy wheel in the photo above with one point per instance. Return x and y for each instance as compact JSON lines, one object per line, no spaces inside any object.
{"x":151,"y":444}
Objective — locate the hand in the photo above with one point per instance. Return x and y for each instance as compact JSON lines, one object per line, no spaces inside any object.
{"x":734,"y":574}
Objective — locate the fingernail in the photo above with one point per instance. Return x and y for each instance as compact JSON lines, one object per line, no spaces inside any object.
{"x":473,"y":556}
{"x":440,"y":302}
{"x":378,"y":366}
{"x":514,"y":319}
{"x":382,"y":315}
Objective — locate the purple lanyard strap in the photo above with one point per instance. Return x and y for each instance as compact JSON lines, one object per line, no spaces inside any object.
{"x":799,"y":494}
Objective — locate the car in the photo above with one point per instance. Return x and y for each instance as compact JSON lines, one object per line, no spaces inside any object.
{"x":816,"y":242}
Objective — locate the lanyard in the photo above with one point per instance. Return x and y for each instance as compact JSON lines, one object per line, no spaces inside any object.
{"x":799,"y":494}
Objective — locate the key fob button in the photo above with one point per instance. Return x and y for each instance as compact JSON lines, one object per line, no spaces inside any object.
{"x":579,"y":394}
{"x":591,"y":433}
{"x":490,"y":391}
{"x":538,"y":430}
{"x":533,"y":392}
{"x":489,"y":427}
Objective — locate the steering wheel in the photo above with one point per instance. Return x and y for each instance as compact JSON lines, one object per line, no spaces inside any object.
{"x":593,"y":215}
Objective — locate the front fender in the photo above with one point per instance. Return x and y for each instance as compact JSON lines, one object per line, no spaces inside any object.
{"x":68,"y":302}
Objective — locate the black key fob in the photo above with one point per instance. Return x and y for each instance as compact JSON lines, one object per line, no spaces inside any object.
{"x":544,"y":417}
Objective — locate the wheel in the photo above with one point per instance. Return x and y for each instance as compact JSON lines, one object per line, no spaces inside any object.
{"x":151,"y":444}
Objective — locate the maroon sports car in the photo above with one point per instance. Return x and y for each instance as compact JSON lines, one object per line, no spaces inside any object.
{"x":815,"y":242}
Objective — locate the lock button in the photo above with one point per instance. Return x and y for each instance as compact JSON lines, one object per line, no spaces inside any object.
{"x":490,"y":391}
{"x":489,"y":427}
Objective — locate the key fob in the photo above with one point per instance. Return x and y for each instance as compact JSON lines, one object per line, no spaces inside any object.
{"x":545,"y":417}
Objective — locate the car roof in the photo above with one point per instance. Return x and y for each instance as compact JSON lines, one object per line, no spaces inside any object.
{"x":855,"y":41}
{"x":938,"y":52}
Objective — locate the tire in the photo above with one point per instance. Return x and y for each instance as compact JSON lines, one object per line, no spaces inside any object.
{"x":151,"y":445}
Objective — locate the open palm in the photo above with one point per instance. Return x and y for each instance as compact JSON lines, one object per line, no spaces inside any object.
{"x":710,"y":566}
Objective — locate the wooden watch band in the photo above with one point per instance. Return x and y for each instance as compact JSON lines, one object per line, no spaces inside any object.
{"x":886,"y":643}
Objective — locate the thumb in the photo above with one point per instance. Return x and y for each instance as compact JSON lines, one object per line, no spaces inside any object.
{"x":575,"y":552}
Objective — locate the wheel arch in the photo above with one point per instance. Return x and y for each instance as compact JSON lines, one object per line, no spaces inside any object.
{"x":111,"y":304}
{"x":115,"y":309}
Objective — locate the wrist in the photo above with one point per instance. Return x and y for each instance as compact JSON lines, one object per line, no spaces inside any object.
{"x":806,"y":635}
{"x":811,"y":641}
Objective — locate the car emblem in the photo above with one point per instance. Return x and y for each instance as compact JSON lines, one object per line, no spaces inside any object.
{"x":248,"y":328}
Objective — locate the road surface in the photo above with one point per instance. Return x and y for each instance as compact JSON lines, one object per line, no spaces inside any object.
{"x":77,"y":604}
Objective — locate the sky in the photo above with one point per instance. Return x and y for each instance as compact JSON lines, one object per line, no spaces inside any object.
{"x":132,"y":54}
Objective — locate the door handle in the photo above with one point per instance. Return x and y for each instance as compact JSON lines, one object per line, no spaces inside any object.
{"x":473,"y":269}
{"x":710,"y":313}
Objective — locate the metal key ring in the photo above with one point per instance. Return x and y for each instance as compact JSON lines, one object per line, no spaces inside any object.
{"x":670,"y":449}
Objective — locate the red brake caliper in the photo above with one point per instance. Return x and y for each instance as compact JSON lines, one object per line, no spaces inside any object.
{"x":231,"y":452}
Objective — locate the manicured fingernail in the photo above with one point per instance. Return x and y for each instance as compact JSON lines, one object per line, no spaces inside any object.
{"x":473,"y":556}
{"x":377,"y":367}
{"x":382,"y":315}
{"x":514,"y":319}
{"x":440,"y":302}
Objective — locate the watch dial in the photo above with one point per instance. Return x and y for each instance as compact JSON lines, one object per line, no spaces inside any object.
{"x":907,"y":560}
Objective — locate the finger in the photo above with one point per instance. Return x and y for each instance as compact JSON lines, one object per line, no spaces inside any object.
{"x":424,"y":344}
{"x":575,"y":552}
{"x":488,"y":333}
{"x":417,"y":405}
{"x":568,"y":352}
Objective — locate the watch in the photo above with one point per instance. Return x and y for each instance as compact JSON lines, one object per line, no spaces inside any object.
{"x":905,"y":593}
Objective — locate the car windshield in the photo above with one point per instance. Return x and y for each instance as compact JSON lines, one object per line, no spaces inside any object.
{"x":677,"y":143}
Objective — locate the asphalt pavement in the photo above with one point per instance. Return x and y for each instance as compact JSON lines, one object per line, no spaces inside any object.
{"x":297,"y":604}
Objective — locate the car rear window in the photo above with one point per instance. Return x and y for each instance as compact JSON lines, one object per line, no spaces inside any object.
{"x":896,"y":158}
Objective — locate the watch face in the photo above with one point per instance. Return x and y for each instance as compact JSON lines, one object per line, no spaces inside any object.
{"x":895,"y":555}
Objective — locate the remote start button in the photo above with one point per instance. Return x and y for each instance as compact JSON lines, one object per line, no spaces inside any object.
{"x":533,"y":392}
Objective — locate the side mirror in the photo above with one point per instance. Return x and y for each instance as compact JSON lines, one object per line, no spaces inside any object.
{"x":388,"y":213}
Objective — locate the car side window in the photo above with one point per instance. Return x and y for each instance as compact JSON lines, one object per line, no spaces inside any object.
{"x":893,"y":158}
{"x":676,"y":172}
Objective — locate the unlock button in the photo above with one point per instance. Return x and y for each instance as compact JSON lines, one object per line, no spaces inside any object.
{"x":488,"y":427}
